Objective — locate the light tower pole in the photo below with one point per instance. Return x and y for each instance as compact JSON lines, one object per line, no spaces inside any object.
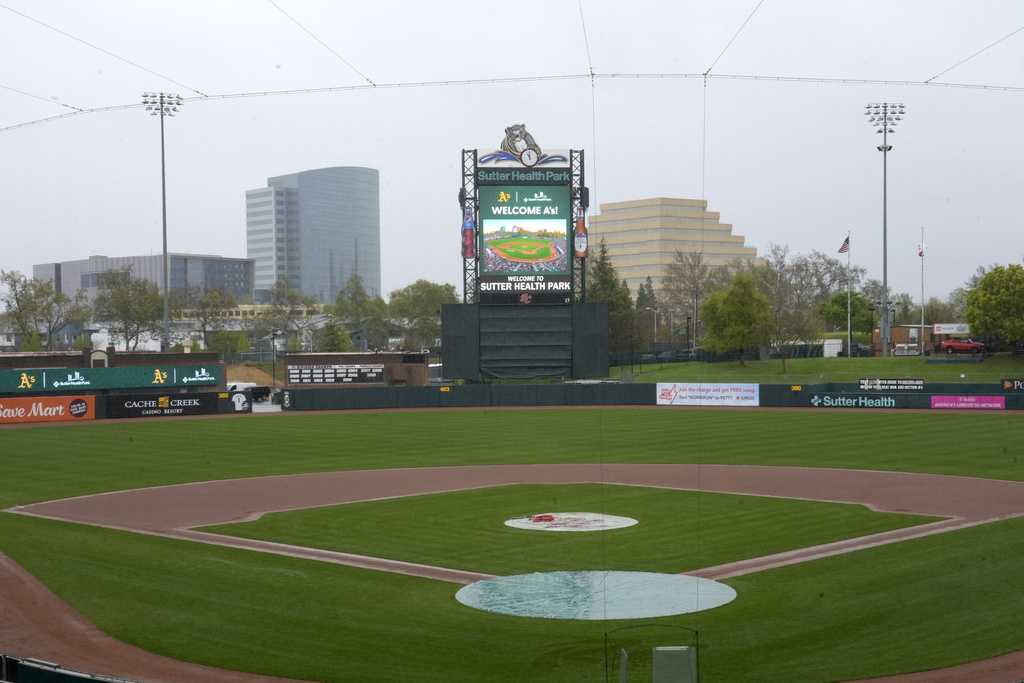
{"x":163,"y":104}
{"x":884,"y":117}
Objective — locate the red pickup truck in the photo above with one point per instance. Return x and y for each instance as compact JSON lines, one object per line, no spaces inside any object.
{"x":961,"y":346}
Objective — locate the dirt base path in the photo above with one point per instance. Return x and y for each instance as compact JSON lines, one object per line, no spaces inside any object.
{"x":174,"y":511}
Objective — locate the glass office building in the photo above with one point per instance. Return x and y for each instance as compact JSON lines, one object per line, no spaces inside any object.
{"x":188,"y":272}
{"x":314,"y":230}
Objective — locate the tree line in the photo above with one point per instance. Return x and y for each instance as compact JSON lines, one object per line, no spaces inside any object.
{"x":132,"y":309}
{"x":786,"y":298}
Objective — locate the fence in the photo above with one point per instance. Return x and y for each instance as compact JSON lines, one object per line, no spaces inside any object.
{"x":24,"y":670}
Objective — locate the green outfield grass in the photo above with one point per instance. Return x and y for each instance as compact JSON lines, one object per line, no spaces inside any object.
{"x":46,"y":462}
{"x":918,"y":604}
{"x":677,"y":530}
{"x":524,"y":248}
{"x":819,"y":370}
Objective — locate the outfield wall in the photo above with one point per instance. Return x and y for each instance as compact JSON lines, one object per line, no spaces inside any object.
{"x":936,"y":396}
{"x":88,"y":407}
{"x":468,"y":395}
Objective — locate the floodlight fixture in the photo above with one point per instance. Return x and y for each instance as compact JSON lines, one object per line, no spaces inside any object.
{"x":884,"y":117}
{"x":165,"y":105}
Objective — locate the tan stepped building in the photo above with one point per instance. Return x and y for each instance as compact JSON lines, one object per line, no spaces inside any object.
{"x":643,"y":236}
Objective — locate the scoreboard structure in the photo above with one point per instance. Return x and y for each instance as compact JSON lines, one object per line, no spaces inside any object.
{"x":524,"y":253}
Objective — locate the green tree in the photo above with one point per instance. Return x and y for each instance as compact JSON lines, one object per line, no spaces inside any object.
{"x":995,"y":306}
{"x":646,"y":313}
{"x":208,"y":308}
{"x":418,"y":308}
{"x":83,"y":342}
{"x":833,"y":312}
{"x":362,"y":315}
{"x":332,"y":337}
{"x":32,"y":342}
{"x":603,"y":284}
{"x":225,"y":341}
{"x":738,"y":318}
{"x":36,"y":307}
{"x":689,"y":281}
{"x":290,"y":311}
{"x":939,"y":311}
{"x":792,"y":297}
{"x":132,"y":308}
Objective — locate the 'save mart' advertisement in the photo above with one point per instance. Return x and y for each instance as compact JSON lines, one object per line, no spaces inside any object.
{"x":524,"y":244}
{"x":16,"y":410}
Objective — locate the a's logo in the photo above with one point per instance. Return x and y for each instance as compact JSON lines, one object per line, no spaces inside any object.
{"x":815,"y":401}
{"x":26,"y":381}
{"x":159,"y":376}
{"x":504,"y":197}
{"x":163,"y":402}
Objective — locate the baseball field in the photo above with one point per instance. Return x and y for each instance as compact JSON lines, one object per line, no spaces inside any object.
{"x":330,"y":546}
{"x":527,"y":249}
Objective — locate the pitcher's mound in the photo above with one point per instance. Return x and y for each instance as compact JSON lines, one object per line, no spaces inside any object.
{"x":570,"y":521}
{"x":595,"y":595}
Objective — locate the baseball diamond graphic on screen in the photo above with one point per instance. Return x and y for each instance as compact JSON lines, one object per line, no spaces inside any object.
{"x":537,"y":246}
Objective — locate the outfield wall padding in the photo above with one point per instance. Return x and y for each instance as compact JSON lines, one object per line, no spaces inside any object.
{"x":571,"y":394}
{"x":470,"y":395}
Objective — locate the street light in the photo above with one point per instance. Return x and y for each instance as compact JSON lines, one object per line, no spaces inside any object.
{"x":163,"y":104}
{"x":884,"y":117}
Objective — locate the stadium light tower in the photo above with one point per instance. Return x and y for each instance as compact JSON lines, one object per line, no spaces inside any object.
{"x":163,"y":104}
{"x":884,"y":117}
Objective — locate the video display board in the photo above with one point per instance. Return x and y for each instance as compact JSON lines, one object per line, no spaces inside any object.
{"x":525,"y":244}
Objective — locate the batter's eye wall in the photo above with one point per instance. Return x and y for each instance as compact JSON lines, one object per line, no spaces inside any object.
{"x":485,"y":342}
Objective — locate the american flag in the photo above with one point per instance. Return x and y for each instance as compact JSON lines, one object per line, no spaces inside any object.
{"x":920,"y":250}
{"x":845,"y":246}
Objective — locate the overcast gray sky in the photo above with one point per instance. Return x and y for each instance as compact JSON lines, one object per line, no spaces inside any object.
{"x":788,"y":163}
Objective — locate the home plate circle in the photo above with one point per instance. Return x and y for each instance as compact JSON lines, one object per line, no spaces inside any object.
{"x":570,"y":521}
{"x":595,"y":595}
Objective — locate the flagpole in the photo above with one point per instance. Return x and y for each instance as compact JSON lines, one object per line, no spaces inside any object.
{"x":849,"y":315}
{"x":921,"y":344}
